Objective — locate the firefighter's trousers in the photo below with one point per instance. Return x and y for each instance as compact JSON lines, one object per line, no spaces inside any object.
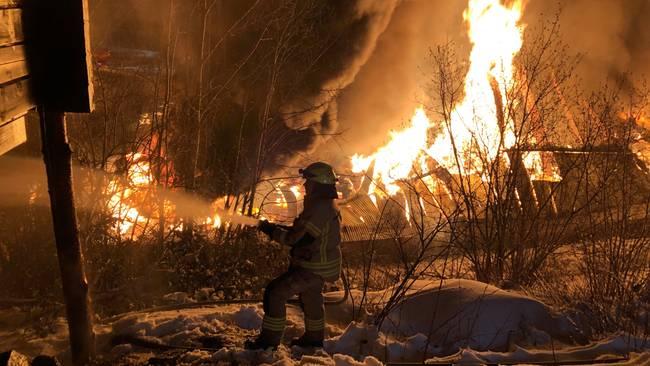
{"x":308,"y":286}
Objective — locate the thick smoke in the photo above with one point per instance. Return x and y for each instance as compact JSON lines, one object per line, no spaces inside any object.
{"x":313,"y":113}
{"x":372,"y":78}
{"x":612,"y":35}
{"x":390,"y":85}
{"x":326,"y":53}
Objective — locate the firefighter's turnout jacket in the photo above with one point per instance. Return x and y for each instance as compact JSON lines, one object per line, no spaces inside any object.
{"x":314,"y":239}
{"x":322,"y":221}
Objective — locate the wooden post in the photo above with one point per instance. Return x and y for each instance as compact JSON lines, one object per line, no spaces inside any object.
{"x":545,"y":197}
{"x":56,"y":153}
{"x":523,"y":183}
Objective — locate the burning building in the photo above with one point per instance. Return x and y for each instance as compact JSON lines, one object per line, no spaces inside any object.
{"x":493,"y":147}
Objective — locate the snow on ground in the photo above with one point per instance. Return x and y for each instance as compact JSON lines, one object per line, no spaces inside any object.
{"x":613,"y":348}
{"x":470,"y":323}
{"x":464,"y":313}
{"x":18,"y":338}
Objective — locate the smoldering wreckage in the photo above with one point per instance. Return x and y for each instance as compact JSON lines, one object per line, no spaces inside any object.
{"x":446,"y":229}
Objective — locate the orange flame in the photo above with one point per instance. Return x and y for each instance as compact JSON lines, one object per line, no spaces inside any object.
{"x":475,"y":128}
{"x":394,"y":161}
{"x":496,"y":37}
{"x":124,"y":197}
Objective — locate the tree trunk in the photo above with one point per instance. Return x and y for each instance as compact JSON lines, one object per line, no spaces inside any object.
{"x":56,"y":153}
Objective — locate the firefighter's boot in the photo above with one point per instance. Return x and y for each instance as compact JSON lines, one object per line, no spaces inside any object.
{"x":267,"y":340}
{"x":314,"y":334}
{"x":308,"y":341}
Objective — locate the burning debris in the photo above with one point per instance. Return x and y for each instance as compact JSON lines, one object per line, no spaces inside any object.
{"x":136,"y":204}
{"x":477,"y":133}
{"x":480,"y":146}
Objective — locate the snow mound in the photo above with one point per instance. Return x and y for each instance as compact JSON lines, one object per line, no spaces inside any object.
{"x":455,"y":314}
{"x":360,"y":340}
{"x":249,"y":317}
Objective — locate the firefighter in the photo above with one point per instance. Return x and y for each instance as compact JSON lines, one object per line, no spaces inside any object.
{"x":315,"y":240}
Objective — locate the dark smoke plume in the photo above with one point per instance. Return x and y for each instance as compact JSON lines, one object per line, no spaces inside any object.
{"x":612,"y":35}
{"x":391,"y":84}
{"x":328,"y":42}
{"x":371,"y":78}
{"x":312,"y":113}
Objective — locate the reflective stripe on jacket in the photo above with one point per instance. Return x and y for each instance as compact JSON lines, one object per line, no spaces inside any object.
{"x":322,"y":221}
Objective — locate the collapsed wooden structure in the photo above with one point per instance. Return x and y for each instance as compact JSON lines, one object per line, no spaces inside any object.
{"x":548,"y":200}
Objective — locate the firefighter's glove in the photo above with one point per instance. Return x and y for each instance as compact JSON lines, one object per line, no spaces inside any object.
{"x":266,"y":227}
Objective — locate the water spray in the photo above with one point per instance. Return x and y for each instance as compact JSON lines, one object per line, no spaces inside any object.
{"x":235,"y":219}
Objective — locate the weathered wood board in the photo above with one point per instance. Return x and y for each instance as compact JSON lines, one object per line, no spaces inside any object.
{"x":11,"y":26}
{"x":12,"y":134}
{"x":12,"y":54}
{"x":15,"y":99}
{"x":12,"y":71}
{"x":4,"y":4}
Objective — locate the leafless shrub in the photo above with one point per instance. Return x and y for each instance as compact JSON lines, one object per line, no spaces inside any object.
{"x":614,"y":245}
{"x":408,"y":242}
{"x":509,"y":223}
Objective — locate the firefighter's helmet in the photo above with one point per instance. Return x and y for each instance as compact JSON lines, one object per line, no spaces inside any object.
{"x":319,"y":172}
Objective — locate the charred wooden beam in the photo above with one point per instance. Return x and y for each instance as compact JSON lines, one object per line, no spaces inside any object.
{"x":546,"y":201}
{"x":523,"y":183}
{"x":366,"y":182}
{"x":443,"y":175}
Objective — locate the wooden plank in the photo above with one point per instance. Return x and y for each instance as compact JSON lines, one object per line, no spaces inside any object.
{"x":545,"y":197}
{"x":15,"y":100}
{"x":12,"y":71}
{"x":522,"y":181}
{"x":9,"y":4}
{"x":11,"y":54}
{"x":12,"y":134}
{"x":11,"y":26}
